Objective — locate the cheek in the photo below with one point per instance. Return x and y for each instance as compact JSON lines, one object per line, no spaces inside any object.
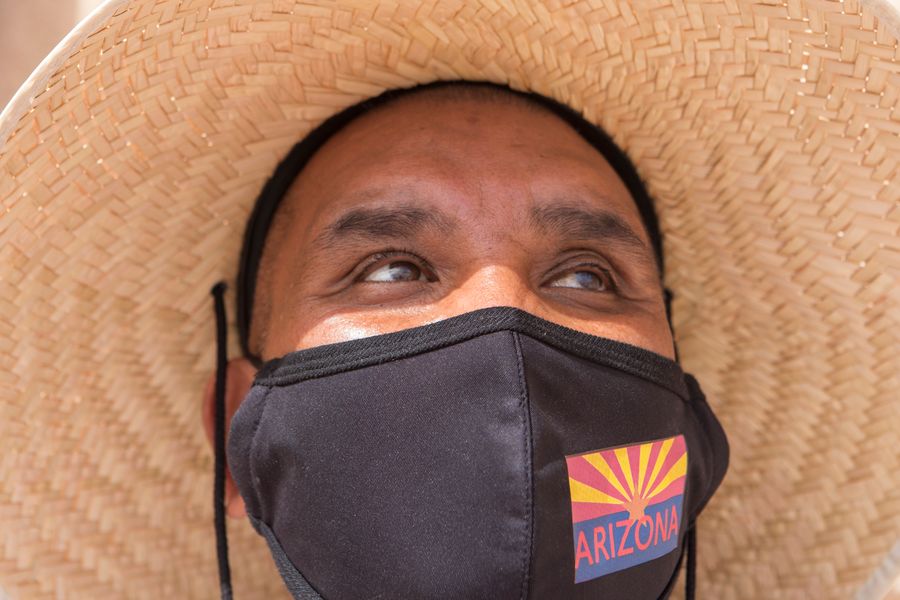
{"x":648,"y":333}
{"x":645,"y":326}
{"x":644,"y":329}
{"x":339,"y":328}
{"x":300,"y":332}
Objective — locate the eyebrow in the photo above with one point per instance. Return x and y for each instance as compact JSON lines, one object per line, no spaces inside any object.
{"x":563,"y":219}
{"x":376,"y":223}
{"x":575,"y":222}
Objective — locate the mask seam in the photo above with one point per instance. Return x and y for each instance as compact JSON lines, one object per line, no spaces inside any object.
{"x":294,"y":378}
{"x":529,"y":467}
{"x":259,"y":522}
{"x":434,"y":342}
{"x":670,"y":586}
{"x":626,"y":363}
{"x":284,"y":562}
{"x":694,"y":391}
{"x":250,"y":452}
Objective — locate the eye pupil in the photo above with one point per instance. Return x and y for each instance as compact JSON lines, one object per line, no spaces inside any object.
{"x":403,"y":271}
{"x":396,"y":271}
{"x":588,"y":280}
{"x":583,"y":279}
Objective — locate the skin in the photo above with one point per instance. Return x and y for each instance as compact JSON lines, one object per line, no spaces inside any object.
{"x":511,"y":184}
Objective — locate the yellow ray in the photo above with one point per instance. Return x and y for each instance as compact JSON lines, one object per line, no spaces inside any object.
{"x":622,"y":455}
{"x":598,"y":462}
{"x":677,"y":470}
{"x":660,"y":459}
{"x":642,"y":466}
{"x":581,"y":492}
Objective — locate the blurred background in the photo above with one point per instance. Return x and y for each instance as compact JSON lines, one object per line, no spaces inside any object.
{"x":29,"y":30}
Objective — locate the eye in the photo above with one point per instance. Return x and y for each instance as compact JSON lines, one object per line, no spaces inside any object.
{"x":584,"y":279}
{"x":395,"y":271}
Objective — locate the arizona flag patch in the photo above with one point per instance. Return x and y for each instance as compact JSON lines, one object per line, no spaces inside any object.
{"x":626,"y":504}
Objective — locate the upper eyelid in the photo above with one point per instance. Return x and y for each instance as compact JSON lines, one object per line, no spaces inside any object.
{"x":376,"y":257}
{"x":600,"y":265}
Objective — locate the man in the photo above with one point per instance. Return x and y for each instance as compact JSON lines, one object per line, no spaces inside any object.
{"x":443,"y":202}
{"x":438,"y":202}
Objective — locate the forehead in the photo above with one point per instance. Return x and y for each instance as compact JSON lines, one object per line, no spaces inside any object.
{"x":483,"y":158}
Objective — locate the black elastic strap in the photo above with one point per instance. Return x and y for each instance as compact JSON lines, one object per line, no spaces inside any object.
{"x":668,"y":296}
{"x":691,"y":579}
{"x":218,"y":292}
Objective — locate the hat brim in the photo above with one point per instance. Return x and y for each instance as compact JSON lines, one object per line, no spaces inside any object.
{"x":768,"y":135}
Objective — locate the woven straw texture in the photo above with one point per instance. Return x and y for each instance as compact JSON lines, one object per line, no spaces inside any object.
{"x":769,"y":134}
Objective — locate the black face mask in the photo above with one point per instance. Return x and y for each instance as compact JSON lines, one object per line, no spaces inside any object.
{"x":489,"y":455}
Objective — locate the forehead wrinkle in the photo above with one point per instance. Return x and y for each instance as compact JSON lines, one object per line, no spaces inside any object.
{"x":383,"y":222}
{"x":572,"y":221}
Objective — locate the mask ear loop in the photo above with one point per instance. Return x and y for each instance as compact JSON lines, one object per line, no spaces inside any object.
{"x":667,"y":298}
{"x":691,"y":579}
{"x":691,"y":536}
{"x":218,"y":292}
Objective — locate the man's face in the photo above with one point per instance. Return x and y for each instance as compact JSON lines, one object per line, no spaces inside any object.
{"x":431,"y":207}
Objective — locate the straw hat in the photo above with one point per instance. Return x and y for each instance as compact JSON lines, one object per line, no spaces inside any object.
{"x":769,"y":136}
